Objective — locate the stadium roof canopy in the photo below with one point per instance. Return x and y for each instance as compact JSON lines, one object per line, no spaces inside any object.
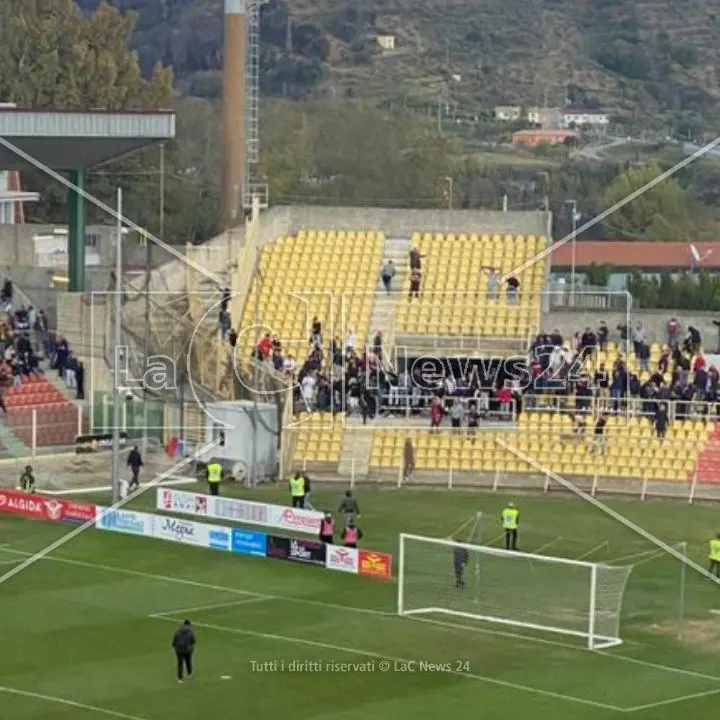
{"x":75,"y":140}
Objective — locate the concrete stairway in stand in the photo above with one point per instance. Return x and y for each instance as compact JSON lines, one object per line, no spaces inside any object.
{"x":357,"y":444}
{"x":383,"y":316}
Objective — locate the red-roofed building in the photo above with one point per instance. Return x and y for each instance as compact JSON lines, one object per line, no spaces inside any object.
{"x":532,"y":138}
{"x":650,"y":258}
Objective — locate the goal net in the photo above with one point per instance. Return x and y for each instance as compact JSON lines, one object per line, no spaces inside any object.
{"x":537,"y":592}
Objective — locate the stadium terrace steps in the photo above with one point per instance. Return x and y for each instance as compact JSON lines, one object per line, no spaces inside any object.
{"x":385,"y":308}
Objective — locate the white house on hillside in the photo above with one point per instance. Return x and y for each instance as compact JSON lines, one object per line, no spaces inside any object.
{"x":508,"y":113}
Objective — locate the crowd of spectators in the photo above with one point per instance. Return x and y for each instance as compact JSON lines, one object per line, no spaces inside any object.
{"x":28,"y":347}
{"x":345,"y":378}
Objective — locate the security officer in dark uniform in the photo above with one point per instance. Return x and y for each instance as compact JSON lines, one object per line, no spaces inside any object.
{"x":183,"y":644}
{"x":460,"y":560}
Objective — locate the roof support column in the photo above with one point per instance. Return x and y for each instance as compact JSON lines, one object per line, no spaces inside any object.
{"x":76,"y":233}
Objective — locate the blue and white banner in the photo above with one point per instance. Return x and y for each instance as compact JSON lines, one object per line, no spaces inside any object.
{"x":176,"y":530}
{"x":125,"y":521}
{"x":192,"y":533}
{"x":246,"y":542}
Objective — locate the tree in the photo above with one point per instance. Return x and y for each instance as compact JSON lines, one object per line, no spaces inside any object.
{"x":53,"y":56}
{"x":660,"y":212}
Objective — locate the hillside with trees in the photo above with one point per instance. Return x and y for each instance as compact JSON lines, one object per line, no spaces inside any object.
{"x":652,"y":60}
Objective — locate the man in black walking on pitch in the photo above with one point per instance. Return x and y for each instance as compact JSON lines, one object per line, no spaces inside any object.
{"x":183,"y":643}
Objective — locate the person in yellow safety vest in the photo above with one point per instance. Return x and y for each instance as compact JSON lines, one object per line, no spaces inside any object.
{"x":214,"y":473}
{"x":297,"y":490}
{"x":714,"y":556}
{"x":510,"y":517}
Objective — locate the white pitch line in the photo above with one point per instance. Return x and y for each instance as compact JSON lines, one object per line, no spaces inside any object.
{"x":592,"y":550}
{"x":672,"y":701}
{"x":214,"y":606}
{"x":547,"y":545}
{"x":68,"y":703}
{"x":349,"y":608}
{"x":639,"y":555}
{"x":400,"y":661}
{"x":208,"y":586}
{"x":91,"y":523}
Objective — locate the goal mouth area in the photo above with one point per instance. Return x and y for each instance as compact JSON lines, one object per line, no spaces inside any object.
{"x":596,"y":642}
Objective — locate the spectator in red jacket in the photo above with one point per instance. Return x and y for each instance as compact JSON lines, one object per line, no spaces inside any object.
{"x":265,"y":347}
{"x":504,"y":396}
{"x":436,"y":414}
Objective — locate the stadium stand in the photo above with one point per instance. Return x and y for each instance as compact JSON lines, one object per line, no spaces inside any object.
{"x":456,"y":299}
{"x":321,"y":268}
{"x":319,"y":439}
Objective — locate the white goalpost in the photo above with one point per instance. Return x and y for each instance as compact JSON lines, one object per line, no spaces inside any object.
{"x":537,"y":592}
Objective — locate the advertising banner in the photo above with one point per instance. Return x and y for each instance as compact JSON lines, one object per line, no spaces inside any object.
{"x":307,"y":551}
{"x":240,"y":511}
{"x":45,"y":508}
{"x":246,"y":542}
{"x":278,"y":547}
{"x":377,"y":564}
{"x":342,"y":558}
{"x":182,"y":502}
{"x":126,"y":521}
{"x":192,"y":533}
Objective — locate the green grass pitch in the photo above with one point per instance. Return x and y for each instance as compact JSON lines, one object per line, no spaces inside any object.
{"x":85,"y":633}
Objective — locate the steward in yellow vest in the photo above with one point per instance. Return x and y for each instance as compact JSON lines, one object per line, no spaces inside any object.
{"x":214,"y":472}
{"x":297,"y":490}
{"x":510,"y":517}
{"x":714,"y":556}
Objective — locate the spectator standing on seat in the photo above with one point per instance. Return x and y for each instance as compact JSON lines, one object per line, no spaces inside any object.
{"x":673,"y":332}
{"x":316,"y":332}
{"x":436,"y":415}
{"x":661,"y":420}
{"x":214,"y":474}
{"x":415,"y":280}
{"x":135,"y":462}
{"x":387,"y":273}
{"x":513,"y":288}
{"x":349,"y":508}
{"x":602,"y":335}
{"x":350,"y":340}
{"x":415,"y":259}
{"x":456,"y":415}
{"x":638,"y":338}
{"x":183,"y":643}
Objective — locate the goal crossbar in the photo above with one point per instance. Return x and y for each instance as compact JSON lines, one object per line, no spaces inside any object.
{"x":534,"y":592}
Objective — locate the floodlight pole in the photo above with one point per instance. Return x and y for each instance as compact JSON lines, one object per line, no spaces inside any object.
{"x":117,"y":344}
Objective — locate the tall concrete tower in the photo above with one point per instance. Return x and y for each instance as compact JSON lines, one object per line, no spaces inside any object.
{"x":233,"y":113}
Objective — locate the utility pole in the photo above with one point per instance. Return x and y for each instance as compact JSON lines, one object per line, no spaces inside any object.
{"x":117,"y":399}
{"x":573,"y":208}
